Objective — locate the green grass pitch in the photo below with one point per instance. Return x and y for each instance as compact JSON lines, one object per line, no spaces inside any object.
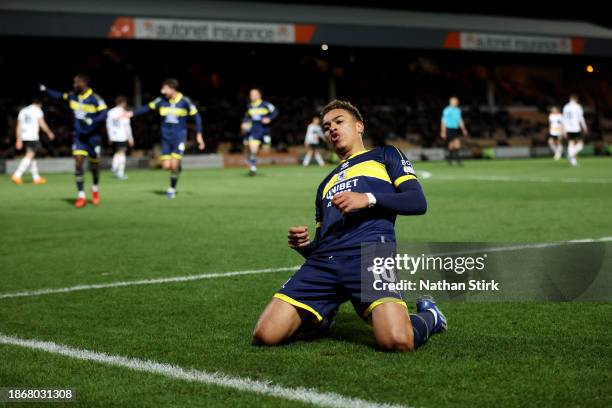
{"x":494,"y":354}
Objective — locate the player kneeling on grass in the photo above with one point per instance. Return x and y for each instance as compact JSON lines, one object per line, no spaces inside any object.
{"x":29,"y":122}
{"x":356,"y":203}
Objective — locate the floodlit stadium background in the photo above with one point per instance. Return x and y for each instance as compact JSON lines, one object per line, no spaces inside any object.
{"x":145,"y":301}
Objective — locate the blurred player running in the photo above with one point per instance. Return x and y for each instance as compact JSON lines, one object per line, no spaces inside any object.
{"x":555,"y":132}
{"x":314,"y":134}
{"x":356,"y":203}
{"x":89,"y":111}
{"x":120,"y":135}
{"x":574,"y":125}
{"x":256,"y":126}
{"x":451,"y":125}
{"x":174,"y":108}
{"x":29,"y":122}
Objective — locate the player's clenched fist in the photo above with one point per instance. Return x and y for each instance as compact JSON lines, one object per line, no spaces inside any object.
{"x":348,"y":201}
{"x":298,"y":237}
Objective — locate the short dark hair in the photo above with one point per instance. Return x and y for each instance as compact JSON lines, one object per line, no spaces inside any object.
{"x":171,"y":83}
{"x":120,"y":99}
{"x":37,"y":101}
{"x":84,"y":77}
{"x":344,"y":105}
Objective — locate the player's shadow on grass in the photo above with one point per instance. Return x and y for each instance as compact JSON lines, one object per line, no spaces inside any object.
{"x":352,"y":331}
{"x":163,"y":192}
{"x":69,"y":201}
{"x":348,"y":330}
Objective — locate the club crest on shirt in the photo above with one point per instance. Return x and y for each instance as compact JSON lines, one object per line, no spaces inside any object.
{"x":407,"y":167}
{"x":342,"y":175}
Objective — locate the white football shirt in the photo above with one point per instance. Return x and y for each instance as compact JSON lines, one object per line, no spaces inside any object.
{"x":313,"y":134}
{"x":573,"y":117}
{"x":556,"y":124}
{"x":28,"y":123}
{"x":118,"y":128}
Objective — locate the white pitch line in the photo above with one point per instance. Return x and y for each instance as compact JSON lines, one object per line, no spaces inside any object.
{"x":307,"y":395}
{"x":187,"y":278}
{"x":521,"y":179}
{"x":511,"y":248}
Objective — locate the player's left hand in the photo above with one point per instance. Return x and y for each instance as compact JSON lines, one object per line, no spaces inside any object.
{"x":200,"y":140}
{"x":18,"y":144}
{"x":348,"y":201}
{"x":265,"y":121}
{"x":51,"y":136}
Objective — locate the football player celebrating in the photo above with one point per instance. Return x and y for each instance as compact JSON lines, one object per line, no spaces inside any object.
{"x":256,"y":126}
{"x":29,"y":122}
{"x":89,"y":111}
{"x":174,"y":108}
{"x":356,"y":203}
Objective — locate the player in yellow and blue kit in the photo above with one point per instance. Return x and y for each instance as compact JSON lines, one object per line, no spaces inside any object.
{"x":256,"y":126}
{"x":174,"y":108}
{"x":89,"y":111}
{"x":356,"y":203}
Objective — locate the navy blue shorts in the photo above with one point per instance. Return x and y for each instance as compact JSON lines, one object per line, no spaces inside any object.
{"x":261,"y":138}
{"x":323,"y":283}
{"x":87,"y":146}
{"x":173,"y":145}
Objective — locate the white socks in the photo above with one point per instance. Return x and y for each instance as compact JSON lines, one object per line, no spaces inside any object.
{"x":119,"y":164}
{"x":23,"y":166}
{"x":573,"y":148}
{"x":317,"y":156}
{"x":558,"y":151}
{"x":319,"y":159}
{"x":307,"y":158}
{"x":34,"y":170}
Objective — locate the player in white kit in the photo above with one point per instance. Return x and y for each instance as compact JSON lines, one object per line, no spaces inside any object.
{"x":314,"y":134}
{"x":555,"y":132}
{"x":120,"y":135}
{"x":29,"y":122}
{"x":574,"y":125}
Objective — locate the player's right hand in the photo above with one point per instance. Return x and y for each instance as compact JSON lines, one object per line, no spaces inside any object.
{"x":298,"y":237}
{"x":18,"y":145}
{"x":443,"y":135}
{"x":42,"y":88}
